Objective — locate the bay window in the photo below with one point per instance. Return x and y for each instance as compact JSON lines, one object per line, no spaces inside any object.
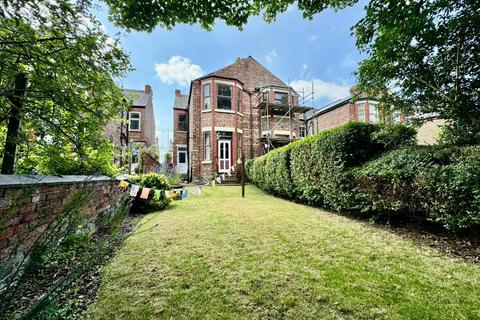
{"x":224,"y":96}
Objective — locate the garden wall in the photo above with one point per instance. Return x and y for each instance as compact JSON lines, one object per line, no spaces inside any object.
{"x":27,"y":205}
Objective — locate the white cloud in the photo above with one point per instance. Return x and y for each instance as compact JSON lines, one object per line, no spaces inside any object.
{"x":179,"y":70}
{"x":322,"y":89}
{"x":271,"y":56}
{"x":349,"y":61}
{"x":313,"y":38}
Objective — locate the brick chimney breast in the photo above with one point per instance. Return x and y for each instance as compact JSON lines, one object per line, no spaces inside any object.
{"x":148,"y":90}
{"x":178,"y":93}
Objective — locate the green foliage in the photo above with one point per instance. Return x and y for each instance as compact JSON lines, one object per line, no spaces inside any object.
{"x":146,"y":15}
{"x":423,"y":57}
{"x":354,"y":169}
{"x":424,"y":182}
{"x":393,"y":136}
{"x":70,"y":64}
{"x":151,"y":180}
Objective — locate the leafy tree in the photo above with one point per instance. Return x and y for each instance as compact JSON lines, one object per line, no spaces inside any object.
{"x":423,"y":56}
{"x":57,"y":91}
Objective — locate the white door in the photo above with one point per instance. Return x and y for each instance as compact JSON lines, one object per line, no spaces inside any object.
{"x":182,"y":163}
{"x":224,"y":155}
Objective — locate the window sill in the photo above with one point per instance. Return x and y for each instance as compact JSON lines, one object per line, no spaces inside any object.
{"x":207,"y":110}
{"x":224,"y":111}
{"x":206,"y":161}
{"x":240,"y":114}
{"x":133,"y":130}
{"x":182,"y":131}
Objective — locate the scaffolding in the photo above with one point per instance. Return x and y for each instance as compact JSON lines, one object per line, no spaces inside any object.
{"x":289,"y":107}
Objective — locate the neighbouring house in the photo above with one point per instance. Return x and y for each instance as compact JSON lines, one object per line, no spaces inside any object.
{"x":364,"y":108}
{"x":134,"y":131}
{"x":240,"y":109}
{"x":351,"y":108}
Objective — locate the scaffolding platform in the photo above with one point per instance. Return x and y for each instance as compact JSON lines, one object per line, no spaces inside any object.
{"x":282,"y":107}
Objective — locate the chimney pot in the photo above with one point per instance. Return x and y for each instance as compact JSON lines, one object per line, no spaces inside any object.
{"x":148,"y":89}
{"x":178,"y":93}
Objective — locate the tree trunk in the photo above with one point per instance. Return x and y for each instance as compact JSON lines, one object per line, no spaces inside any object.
{"x":8,"y":164}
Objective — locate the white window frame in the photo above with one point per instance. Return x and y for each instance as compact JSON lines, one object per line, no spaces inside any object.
{"x":374,"y":105}
{"x":362,"y":105}
{"x":139,"y":120}
{"x":207,"y":154}
{"x":206,"y":96}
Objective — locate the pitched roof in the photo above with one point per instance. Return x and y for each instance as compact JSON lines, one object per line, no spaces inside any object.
{"x":181,"y":102}
{"x":140,"y":99}
{"x":242,"y":70}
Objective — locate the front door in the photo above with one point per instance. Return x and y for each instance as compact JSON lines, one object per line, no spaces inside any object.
{"x":224,"y":155}
{"x":182,"y":165}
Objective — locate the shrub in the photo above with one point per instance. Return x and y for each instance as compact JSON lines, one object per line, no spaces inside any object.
{"x":423,"y":182}
{"x":393,"y":136}
{"x":155,"y":181}
{"x":378,"y":171}
{"x":320,"y":165}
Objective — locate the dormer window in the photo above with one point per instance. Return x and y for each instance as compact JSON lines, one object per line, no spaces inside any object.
{"x":224,"y":98}
{"x":134,"y":124}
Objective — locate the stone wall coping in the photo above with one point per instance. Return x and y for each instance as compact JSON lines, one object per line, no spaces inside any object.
{"x":13,"y":181}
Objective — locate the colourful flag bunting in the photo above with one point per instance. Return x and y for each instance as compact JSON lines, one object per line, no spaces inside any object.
{"x":213,"y":184}
{"x":123,"y":184}
{"x":134,"y":190}
{"x":219,"y":180}
{"x":185,"y":193}
{"x":157,"y":194}
{"x":145,"y":192}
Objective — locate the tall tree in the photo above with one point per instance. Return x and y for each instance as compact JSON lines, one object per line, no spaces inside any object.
{"x":424,"y":58}
{"x":57,"y":85}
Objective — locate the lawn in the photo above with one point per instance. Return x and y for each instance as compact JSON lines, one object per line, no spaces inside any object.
{"x":218,"y":256}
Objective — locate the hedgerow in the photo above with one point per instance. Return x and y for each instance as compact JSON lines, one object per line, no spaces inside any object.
{"x":377,"y":171}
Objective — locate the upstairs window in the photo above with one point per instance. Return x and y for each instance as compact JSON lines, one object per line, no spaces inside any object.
{"x":281,"y":97}
{"x":361,"y":112}
{"x":302,"y":132}
{"x":134,"y":118}
{"x":206,"y":146}
{"x":206,"y":96}
{"x":182,"y":122}
{"x":224,"y":99}
{"x":239,"y":100}
{"x":372,"y":113}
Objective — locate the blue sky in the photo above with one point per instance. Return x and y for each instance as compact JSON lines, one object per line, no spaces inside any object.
{"x":296,"y":50}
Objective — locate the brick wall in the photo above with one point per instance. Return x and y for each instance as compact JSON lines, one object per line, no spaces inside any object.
{"x":27,"y":205}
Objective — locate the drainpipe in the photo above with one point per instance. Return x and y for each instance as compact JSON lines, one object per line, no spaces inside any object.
{"x":251,"y":125}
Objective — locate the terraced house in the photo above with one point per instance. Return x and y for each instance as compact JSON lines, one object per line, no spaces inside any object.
{"x":242,"y":108}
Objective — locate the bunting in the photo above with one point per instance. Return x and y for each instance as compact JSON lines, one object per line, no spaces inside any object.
{"x":134,"y":190}
{"x":145,"y":193}
{"x":123,"y":184}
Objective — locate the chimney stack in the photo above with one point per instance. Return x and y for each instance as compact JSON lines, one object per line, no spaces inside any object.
{"x":148,"y":90}
{"x":177,"y":93}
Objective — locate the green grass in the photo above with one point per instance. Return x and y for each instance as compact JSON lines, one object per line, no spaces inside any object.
{"x":218,"y":256}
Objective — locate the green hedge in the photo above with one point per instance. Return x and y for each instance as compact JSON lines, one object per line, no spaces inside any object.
{"x":376,"y":170}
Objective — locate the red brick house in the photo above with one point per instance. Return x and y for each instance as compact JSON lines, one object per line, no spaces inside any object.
{"x":135,"y":130}
{"x":242,"y":108}
{"x":340,"y":112}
